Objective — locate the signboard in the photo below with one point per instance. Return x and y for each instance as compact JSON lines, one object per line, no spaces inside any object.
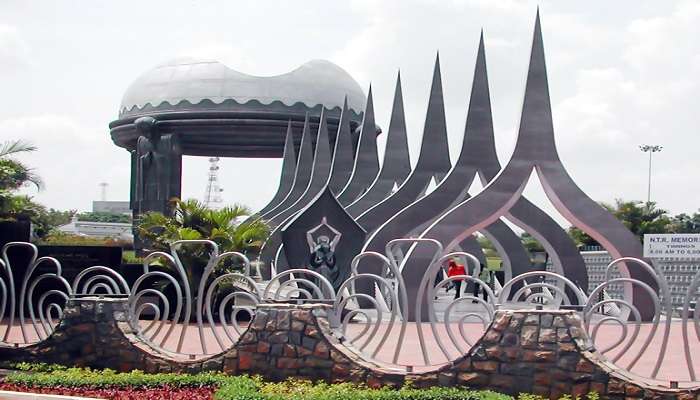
{"x":672,"y":245}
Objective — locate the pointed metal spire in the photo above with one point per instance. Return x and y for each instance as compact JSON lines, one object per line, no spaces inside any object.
{"x":434,"y":156}
{"x":366,"y":164}
{"x":433,"y":161}
{"x":536,"y":119}
{"x":302,"y":172}
{"x":396,"y":152}
{"x":289,"y":162}
{"x":478,"y":146}
{"x":397,"y":164}
{"x":341,"y":168}
{"x":320,"y":174}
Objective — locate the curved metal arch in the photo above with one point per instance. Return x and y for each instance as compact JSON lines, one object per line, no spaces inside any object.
{"x":535,"y":148}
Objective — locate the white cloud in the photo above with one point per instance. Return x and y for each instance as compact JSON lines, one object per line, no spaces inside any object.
{"x":14,"y":51}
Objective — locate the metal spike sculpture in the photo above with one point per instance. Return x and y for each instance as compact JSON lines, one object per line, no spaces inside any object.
{"x":289,"y":163}
{"x":433,"y":164}
{"x":477,"y":146}
{"x":397,"y":162}
{"x":433,"y":161}
{"x":302,"y":173}
{"x":535,"y":149}
{"x":320,"y":174}
{"x":478,"y":156}
{"x":366,"y":164}
{"x":341,"y":167}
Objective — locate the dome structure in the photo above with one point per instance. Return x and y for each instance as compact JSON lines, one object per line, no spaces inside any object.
{"x":217,"y":111}
{"x":186,"y":83}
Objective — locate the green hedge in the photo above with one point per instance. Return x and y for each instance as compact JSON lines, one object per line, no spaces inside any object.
{"x":305,"y":390}
{"x":240,"y":387}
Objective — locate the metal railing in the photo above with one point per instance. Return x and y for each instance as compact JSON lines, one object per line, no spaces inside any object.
{"x":191,"y":315}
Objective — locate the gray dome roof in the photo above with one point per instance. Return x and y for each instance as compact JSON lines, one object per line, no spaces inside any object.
{"x":192,"y":81}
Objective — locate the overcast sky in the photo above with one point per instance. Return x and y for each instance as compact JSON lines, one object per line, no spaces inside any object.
{"x":621,"y":74}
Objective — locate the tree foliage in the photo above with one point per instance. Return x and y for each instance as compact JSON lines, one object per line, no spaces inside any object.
{"x":642,"y":218}
{"x":530,"y":243}
{"x":192,"y":220}
{"x":104,"y":217}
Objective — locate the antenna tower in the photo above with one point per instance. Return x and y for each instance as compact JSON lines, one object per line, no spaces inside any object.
{"x":212,"y":196}
{"x":103,"y":191}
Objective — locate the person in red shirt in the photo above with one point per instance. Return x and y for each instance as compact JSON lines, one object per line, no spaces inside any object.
{"x":454,"y":269}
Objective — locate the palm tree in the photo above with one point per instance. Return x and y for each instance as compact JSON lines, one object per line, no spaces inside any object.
{"x":13,"y":174}
{"x":192,"y":220}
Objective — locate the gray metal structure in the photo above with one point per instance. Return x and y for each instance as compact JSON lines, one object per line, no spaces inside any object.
{"x":318,"y":173}
{"x":535,"y":149}
{"x":343,"y":155}
{"x":289,"y":164}
{"x":478,"y":157}
{"x":366,"y":164}
{"x":433,"y":161}
{"x":302,"y":173}
{"x":397,"y":162}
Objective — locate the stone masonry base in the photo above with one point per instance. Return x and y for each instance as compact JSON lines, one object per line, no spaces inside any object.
{"x":542,"y":352}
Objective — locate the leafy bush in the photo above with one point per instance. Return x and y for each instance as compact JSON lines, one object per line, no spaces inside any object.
{"x":109,"y":217}
{"x":53,"y":376}
{"x":56,"y":238}
{"x":241,"y":387}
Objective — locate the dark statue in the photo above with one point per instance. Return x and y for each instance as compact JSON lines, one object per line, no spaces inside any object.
{"x":322,"y":258}
{"x":156,"y":171}
{"x":158,"y":168}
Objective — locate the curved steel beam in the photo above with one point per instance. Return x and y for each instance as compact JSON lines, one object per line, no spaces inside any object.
{"x":302,"y":173}
{"x":366,"y":165}
{"x":397,"y":162}
{"x":535,"y":148}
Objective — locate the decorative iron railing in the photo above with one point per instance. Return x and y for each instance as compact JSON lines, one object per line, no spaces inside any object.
{"x":188,"y":314}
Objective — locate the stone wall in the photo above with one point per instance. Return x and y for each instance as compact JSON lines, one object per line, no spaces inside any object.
{"x":542,"y":352}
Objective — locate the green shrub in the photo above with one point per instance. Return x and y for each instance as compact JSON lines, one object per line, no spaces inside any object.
{"x":242,"y":387}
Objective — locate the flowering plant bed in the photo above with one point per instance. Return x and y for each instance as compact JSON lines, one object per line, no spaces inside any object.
{"x":117,"y":393}
{"x":108,"y":384}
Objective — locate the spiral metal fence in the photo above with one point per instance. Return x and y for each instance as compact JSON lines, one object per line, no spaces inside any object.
{"x":27,"y":307}
{"x":188,"y":313}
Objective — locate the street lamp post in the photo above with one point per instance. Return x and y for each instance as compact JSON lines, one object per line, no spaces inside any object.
{"x":651,"y":149}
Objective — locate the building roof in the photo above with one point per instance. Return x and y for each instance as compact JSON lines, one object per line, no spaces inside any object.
{"x":187,"y":81}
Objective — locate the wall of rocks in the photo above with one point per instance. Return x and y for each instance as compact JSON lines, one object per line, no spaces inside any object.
{"x":542,"y":352}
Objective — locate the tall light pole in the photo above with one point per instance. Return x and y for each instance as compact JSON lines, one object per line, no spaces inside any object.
{"x":651,"y":149}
